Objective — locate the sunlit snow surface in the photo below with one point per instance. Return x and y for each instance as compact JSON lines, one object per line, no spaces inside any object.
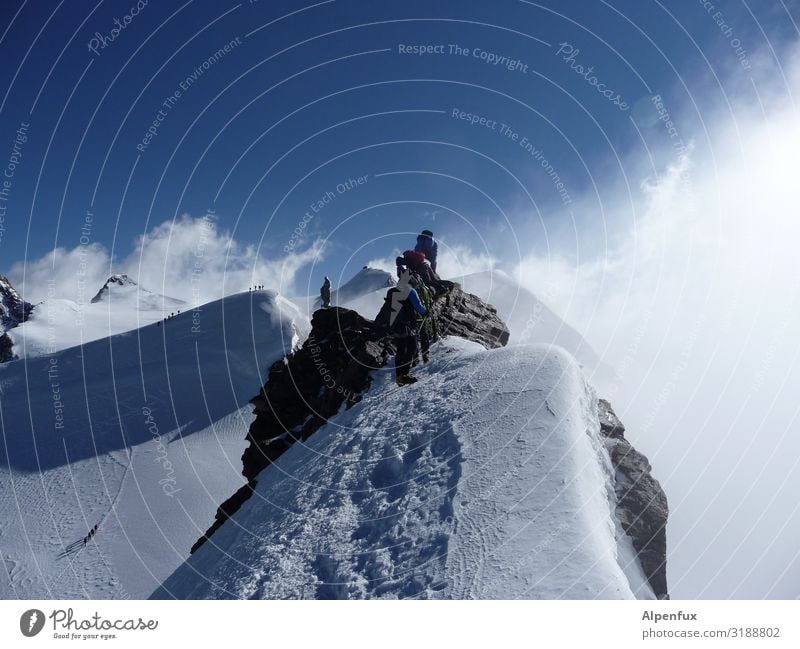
{"x":140,"y":433}
{"x":57,"y":323}
{"x":487,"y":479}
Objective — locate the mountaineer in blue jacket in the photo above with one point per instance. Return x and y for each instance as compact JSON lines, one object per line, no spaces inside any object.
{"x":427,"y":244}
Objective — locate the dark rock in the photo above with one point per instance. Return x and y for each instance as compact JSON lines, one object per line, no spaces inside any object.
{"x":642,"y":507}
{"x":334,"y":368}
{"x":6,"y":349}
{"x":13,"y":309}
{"x":462,"y":314}
{"x":224,"y":512}
{"x":13,"y":312}
{"x":610,"y":425}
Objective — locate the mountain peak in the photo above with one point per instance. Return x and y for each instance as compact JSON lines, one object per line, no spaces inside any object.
{"x":119,"y":280}
{"x":363,"y":283}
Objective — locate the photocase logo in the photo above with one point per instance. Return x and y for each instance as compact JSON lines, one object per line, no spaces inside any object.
{"x":31,"y":622}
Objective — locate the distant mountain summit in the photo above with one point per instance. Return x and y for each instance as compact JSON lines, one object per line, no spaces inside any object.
{"x":59,"y":322}
{"x":118,"y":280}
{"x":363,"y":284}
{"x":121,"y":288}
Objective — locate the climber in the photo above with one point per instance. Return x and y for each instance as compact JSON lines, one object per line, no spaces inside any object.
{"x":400,"y":262}
{"x":398,"y":320}
{"x":427,"y":245}
{"x":427,"y":331}
{"x":417,"y":262}
{"x":325,"y":293}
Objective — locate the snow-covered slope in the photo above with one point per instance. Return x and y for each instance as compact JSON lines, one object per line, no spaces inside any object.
{"x":487,"y":479}
{"x":120,"y":305}
{"x":528,"y":318}
{"x":140,"y":433}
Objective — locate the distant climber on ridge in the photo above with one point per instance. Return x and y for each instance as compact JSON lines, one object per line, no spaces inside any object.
{"x":427,"y":245}
{"x":325,"y":293}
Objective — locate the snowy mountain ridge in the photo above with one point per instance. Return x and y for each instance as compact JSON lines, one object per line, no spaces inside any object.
{"x":498,"y":475}
{"x":120,"y":305}
{"x":477,"y":492}
{"x":141,"y":434}
{"x":528,"y":318}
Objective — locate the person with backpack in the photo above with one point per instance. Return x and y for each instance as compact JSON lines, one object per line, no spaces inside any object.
{"x":428,"y":246}
{"x":400,"y":262}
{"x":417,"y":263}
{"x":398,"y":320}
{"x":325,"y":293}
{"x":427,"y":332}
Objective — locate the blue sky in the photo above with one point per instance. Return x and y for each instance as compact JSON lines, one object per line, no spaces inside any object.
{"x":654,"y":207}
{"x":305,"y":101}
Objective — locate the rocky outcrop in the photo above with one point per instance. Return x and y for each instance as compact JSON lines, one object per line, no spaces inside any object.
{"x":332,"y":370}
{"x":462,"y":314}
{"x":641,"y":502}
{"x":6,"y":349}
{"x":13,"y":312}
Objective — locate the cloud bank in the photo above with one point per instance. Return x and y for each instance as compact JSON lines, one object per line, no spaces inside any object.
{"x":697,"y":307}
{"x":190,"y":258}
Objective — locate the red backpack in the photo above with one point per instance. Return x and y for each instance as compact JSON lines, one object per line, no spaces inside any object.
{"x":414,"y":258}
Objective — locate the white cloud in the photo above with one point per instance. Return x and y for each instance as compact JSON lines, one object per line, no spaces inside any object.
{"x":697,"y":307}
{"x":190,"y":259}
{"x":169,"y":257}
{"x":74,"y":274}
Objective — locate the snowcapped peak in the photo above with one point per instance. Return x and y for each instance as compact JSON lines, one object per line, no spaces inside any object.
{"x":122,"y":280}
{"x":363,"y":292}
{"x":375,"y":275}
{"x":365,"y":281}
{"x":125,"y":290}
{"x":119,"y":280}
